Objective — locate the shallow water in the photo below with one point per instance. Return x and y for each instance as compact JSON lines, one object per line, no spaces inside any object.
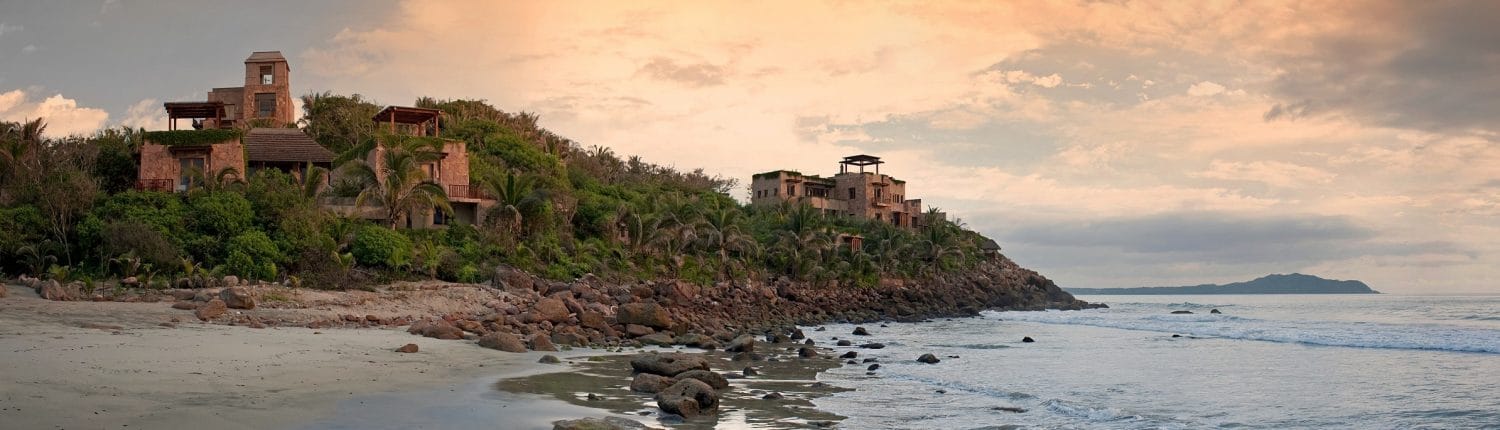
{"x":1272,"y":362}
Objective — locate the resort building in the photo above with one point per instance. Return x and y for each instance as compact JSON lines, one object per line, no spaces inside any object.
{"x":853,"y":192}
{"x":468,"y":201}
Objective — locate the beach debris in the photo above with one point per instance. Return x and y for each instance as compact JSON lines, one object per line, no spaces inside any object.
{"x":873,"y":345}
{"x":667,"y":364}
{"x":502,"y":341}
{"x":928,"y":358}
{"x":860,"y":331}
{"x":549,"y":359}
{"x":237,"y":298}
{"x":688,"y":397}
{"x":1027,"y":339}
{"x":211,"y":310}
{"x":715,"y":380}
{"x":408,"y":348}
{"x":606,"y":423}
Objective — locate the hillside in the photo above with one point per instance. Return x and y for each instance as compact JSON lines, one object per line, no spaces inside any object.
{"x":1295,"y":283}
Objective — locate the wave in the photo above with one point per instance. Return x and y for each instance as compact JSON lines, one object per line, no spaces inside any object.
{"x":1070,"y":409}
{"x":974,"y":346}
{"x":1326,"y":333}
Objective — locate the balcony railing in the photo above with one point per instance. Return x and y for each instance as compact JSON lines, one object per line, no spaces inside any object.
{"x":468,"y":192}
{"x":162,"y":185}
{"x":881,"y":201}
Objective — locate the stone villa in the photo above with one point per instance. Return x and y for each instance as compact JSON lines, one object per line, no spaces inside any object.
{"x":853,"y":192}
{"x":245,"y":129}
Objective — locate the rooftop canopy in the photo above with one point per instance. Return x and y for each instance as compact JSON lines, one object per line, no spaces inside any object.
{"x":406,"y":115}
{"x":194,"y":109}
{"x":862,"y":160}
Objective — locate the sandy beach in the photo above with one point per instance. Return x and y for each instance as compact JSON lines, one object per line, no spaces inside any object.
{"x":112,"y":365}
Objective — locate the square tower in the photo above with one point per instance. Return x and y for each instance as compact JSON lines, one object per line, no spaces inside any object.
{"x":267,"y":91}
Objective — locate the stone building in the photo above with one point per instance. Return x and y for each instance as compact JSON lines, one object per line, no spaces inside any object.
{"x":853,"y":192}
{"x":468,"y":201}
{"x":266,"y":95}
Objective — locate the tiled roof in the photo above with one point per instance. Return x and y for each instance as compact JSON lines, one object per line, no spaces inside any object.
{"x":283,"y":144}
{"x":258,"y":56}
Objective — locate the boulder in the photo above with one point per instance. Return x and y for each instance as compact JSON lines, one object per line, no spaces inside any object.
{"x":437,"y":329}
{"x":860,"y":331}
{"x":697,"y":340}
{"x":845,"y":342}
{"x":637,"y":330}
{"x":807,"y":352}
{"x":549,"y":359}
{"x":658,"y":339}
{"x":237,"y":298}
{"x":502,"y":341}
{"x":551,"y":309}
{"x":850,"y":354}
{"x":667,"y":364}
{"x":541,"y":342}
{"x":873,"y":345}
{"x":928,"y":358}
{"x":715,"y":380}
{"x":52,"y":290}
{"x":231,"y":280}
{"x":649,"y":383}
{"x":606,"y":423}
{"x":408,"y":348}
{"x":1182,"y":312}
{"x":744,"y":343}
{"x":1215,"y":311}
{"x":873,"y":367}
{"x":648,"y":314}
{"x":593,"y":320}
{"x":773,"y":396}
{"x":689,"y":398}
{"x":750,"y":371}
{"x":569,"y":339}
{"x":1027,"y":339}
{"x":185,"y":305}
{"x":211,"y":310}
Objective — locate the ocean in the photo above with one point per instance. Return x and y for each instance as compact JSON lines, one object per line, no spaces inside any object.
{"x":1265,"y":362}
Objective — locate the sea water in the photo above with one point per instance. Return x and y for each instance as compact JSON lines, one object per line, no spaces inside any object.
{"x":1265,"y":362}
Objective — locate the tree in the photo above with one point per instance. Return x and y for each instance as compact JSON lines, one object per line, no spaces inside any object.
{"x":516,"y":200}
{"x":339,"y":123}
{"x":397,"y":182}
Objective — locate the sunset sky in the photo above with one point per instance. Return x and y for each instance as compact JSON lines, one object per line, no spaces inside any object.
{"x":1103,"y":143}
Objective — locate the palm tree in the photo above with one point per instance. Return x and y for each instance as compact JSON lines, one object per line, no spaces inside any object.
{"x":224,"y":179}
{"x":516,"y":199}
{"x":314,"y":180}
{"x":721,"y":233}
{"x":397,"y":182}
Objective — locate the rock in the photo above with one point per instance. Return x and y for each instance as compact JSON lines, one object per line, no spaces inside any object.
{"x":437,"y":329}
{"x":502,"y":341}
{"x":697,"y":340}
{"x":850,"y":354}
{"x":667,"y":364}
{"x":231,"y":280}
{"x":797,"y":334}
{"x":637,"y":330}
{"x":860,"y":331}
{"x":845,"y":342}
{"x":649,"y":383}
{"x":409,"y":348}
{"x":185,"y":305}
{"x":1010,"y":409}
{"x":869,"y":360}
{"x":52,"y":290}
{"x":1028,"y":339}
{"x":748,"y":356}
{"x":688,"y":397}
{"x":569,"y":339}
{"x":744,"y":343}
{"x":550,"y":309}
{"x":658,"y":339}
{"x":1176,"y":335}
{"x":237,"y":298}
{"x":648,"y":314}
{"x":715,"y":380}
{"x":750,"y":371}
{"x":129,"y":281}
{"x":1215,"y":311}
{"x":100,"y":326}
{"x":606,"y":423}
{"x":873,"y":345}
{"x":773,"y":396}
{"x":873,"y":367}
{"x":807,"y":352}
{"x":593,"y":320}
{"x":1182,"y":312}
{"x":928,"y":358}
{"x":211,"y":310}
{"x":541,"y":342}
{"x":549,"y":359}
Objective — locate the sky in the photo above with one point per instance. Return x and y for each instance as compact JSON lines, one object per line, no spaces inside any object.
{"x":1102,"y":143}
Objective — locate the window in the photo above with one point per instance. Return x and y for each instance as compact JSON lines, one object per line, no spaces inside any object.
{"x":186,"y":169}
{"x":877,"y":216}
{"x":791,"y":190}
{"x":438,"y":217}
{"x":851,"y":193}
{"x":265,"y":105}
{"x":774,"y":191}
{"x":265,"y":76}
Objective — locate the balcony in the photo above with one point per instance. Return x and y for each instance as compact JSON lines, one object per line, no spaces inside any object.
{"x":468,"y":192}
{"x":881,"y":201}
{"x":161,"y":185}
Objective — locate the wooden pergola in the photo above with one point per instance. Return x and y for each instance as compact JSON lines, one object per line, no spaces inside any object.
{"x":861,"y":160}
{"x":193,"y":110}
{"x":410,"y":115}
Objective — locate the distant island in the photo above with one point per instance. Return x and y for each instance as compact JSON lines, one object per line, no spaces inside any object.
{"x":1295,"y":283}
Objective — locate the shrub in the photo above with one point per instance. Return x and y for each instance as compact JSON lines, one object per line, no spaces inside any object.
{"x":134,"y":236}
{"x":220,"y":214}
{"x":252,"y":255}
{"x":380,"y":246}
{"x":191,"y":137}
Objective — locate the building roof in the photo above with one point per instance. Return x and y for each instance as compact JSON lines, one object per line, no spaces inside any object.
{"x":194,"y":109}
{"x":987,"y":244}
{"x":862,"y":160}
{"x":283,"y":145}
{"x":406,"y":115}
{"x":265,"y":56}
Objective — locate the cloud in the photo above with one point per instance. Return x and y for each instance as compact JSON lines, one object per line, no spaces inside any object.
{"x":692,"y":75}
{"x":148,"y":114}
{"x":1272,"y":173}
{"x":10,"y":28}
{"x":1205,"y":89}
{"x":63,"y":115}
{"x":28,"y":49}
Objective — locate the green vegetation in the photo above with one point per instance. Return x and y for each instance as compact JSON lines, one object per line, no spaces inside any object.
{"x":561,"y":211}
{"x":192,"y":137}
